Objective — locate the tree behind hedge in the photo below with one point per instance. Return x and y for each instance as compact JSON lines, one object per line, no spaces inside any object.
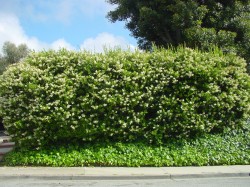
{"x":198,"y":23}
{"x":54,"y":97}
{"x":12,"y":54}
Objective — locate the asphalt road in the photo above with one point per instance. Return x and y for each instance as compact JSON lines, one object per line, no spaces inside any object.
{"x":203,"y":182}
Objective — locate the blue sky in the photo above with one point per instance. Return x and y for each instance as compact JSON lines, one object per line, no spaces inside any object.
{"x":53,"y":24}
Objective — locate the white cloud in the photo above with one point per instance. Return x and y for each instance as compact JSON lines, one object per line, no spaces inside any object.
{"x":93,"y":7}
{"x":103,"y":40}
{"x":11,"y":30}
{"x":60,"y":10}
{"x":61,"y":43}
{"x":30,"y":9}
{"x":67,"y":9}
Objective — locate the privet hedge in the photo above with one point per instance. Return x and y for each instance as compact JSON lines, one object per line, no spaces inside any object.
{"x":123,"y":96}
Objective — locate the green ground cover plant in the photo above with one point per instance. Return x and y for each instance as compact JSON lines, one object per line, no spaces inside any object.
{"x":54,"y":97}
{"x":229,"y":148}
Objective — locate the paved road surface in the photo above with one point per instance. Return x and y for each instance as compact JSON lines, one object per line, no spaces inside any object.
{"x":203,"y":182}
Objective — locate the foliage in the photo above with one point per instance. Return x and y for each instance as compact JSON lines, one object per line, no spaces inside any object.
{"x":12,"y":54}
{"x":3,"y":65}
{"x":231,"y":148}
{"x":203,"y":38}
{"x":53,"y":97}
{"x":197,"y":23}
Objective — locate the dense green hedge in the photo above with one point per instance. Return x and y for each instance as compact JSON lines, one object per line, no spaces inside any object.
{"x":123,"y":96}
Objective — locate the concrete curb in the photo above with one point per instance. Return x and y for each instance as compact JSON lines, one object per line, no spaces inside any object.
{"x":215,"y":175}
{"x":5,"y":139}
{"x":131,"y":177}
{"x":121,"y":177}
{"x":83,"y":177}
{"x":116,"y":173}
